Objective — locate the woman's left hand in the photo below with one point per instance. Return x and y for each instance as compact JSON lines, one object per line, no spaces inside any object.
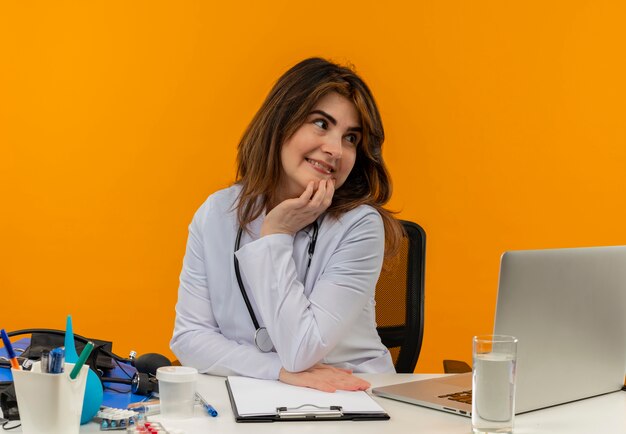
{"x":291,"y":215}
{"x":324,"y":377}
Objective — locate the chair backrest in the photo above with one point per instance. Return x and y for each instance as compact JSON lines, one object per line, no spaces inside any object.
{"x":400,"y":299}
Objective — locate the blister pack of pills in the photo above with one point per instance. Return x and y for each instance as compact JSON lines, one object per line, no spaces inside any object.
{"x":152,"y":428}
{"x":114,"y":419}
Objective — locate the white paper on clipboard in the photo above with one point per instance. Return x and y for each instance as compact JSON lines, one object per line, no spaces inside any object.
{"x":255,"y":397}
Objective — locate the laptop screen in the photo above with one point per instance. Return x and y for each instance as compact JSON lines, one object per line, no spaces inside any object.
{"x":566,"y":307}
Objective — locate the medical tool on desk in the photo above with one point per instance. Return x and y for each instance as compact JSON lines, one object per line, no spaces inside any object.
{"x":146,"y":407}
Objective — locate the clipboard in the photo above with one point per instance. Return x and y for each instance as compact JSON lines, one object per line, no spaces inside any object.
{"x":255,"y":400}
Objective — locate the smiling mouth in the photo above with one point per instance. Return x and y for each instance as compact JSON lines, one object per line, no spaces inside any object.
{"x":321,"y":166}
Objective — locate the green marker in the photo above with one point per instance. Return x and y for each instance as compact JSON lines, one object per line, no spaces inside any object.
{"x":81,"y":360}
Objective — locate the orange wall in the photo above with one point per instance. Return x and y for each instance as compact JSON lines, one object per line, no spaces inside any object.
{"x":506,"y":128}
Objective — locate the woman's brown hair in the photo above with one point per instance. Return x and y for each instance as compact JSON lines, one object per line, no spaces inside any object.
{"x":284,"y":110}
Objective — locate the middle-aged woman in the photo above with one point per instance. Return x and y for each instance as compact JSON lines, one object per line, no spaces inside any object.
{"x":280,"y":269}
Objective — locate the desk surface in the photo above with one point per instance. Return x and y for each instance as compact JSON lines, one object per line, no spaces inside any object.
{"x":603,"y":414}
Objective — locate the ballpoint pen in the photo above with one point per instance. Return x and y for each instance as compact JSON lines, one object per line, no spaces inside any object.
{"x":81,"y":360}
{"x":208,"y":407}
{"x":45,"y":361}
{"x":10,"y":353}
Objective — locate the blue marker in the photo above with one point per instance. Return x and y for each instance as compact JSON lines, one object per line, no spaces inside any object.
{"x":208,"y":407}
{"x":56,"y":363}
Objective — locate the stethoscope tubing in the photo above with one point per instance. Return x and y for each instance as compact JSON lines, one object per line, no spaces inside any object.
{"x":261,"y":336}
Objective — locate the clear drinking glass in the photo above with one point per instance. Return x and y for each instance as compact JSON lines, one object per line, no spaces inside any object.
{"x":493,"y":383}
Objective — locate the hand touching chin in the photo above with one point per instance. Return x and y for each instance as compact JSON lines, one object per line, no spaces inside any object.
{"x":291,"y":215}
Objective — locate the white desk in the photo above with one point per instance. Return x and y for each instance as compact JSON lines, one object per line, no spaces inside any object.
{"x":603,"y":414}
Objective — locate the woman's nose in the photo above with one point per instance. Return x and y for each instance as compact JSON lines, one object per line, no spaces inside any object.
{"x":332,"y":146}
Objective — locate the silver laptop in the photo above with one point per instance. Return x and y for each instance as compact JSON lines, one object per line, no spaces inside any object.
{"x":567,"y":307}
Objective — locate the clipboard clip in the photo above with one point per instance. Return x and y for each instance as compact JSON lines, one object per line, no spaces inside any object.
{"x":309,"y":411}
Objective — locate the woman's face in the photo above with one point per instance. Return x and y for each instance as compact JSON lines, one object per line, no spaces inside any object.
{"x":323,"y":147}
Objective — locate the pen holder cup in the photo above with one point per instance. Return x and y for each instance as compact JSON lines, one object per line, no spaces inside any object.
{"x":50,"y":403}
{"x":177,"y":391}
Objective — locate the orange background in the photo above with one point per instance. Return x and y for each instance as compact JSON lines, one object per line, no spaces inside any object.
{"x":506,"y":129}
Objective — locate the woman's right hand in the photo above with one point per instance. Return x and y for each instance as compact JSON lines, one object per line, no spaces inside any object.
{"x":291,"y":215}
{"x":325,"y":378}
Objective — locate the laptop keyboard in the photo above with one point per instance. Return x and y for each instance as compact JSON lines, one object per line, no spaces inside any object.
{"x":465,"y":396}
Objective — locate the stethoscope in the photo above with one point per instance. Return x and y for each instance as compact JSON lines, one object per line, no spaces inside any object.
{"x":262,"y":338}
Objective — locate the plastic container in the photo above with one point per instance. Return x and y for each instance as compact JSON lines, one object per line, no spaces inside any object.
{"x":177,"y":390}
{"x":50,"y":403}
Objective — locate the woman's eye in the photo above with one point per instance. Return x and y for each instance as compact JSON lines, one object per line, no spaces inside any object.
{"x":352,"y":138}
{"x":321,"y":123}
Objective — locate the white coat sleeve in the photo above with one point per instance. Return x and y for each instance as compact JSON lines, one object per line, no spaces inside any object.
{"x":304,"y":330}
{"x":197,"y":340}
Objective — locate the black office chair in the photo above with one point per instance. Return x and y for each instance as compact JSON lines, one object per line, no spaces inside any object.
{"x":400,"y":299}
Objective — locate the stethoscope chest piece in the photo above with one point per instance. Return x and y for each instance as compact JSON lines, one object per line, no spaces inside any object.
{"x":262,"y":340}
